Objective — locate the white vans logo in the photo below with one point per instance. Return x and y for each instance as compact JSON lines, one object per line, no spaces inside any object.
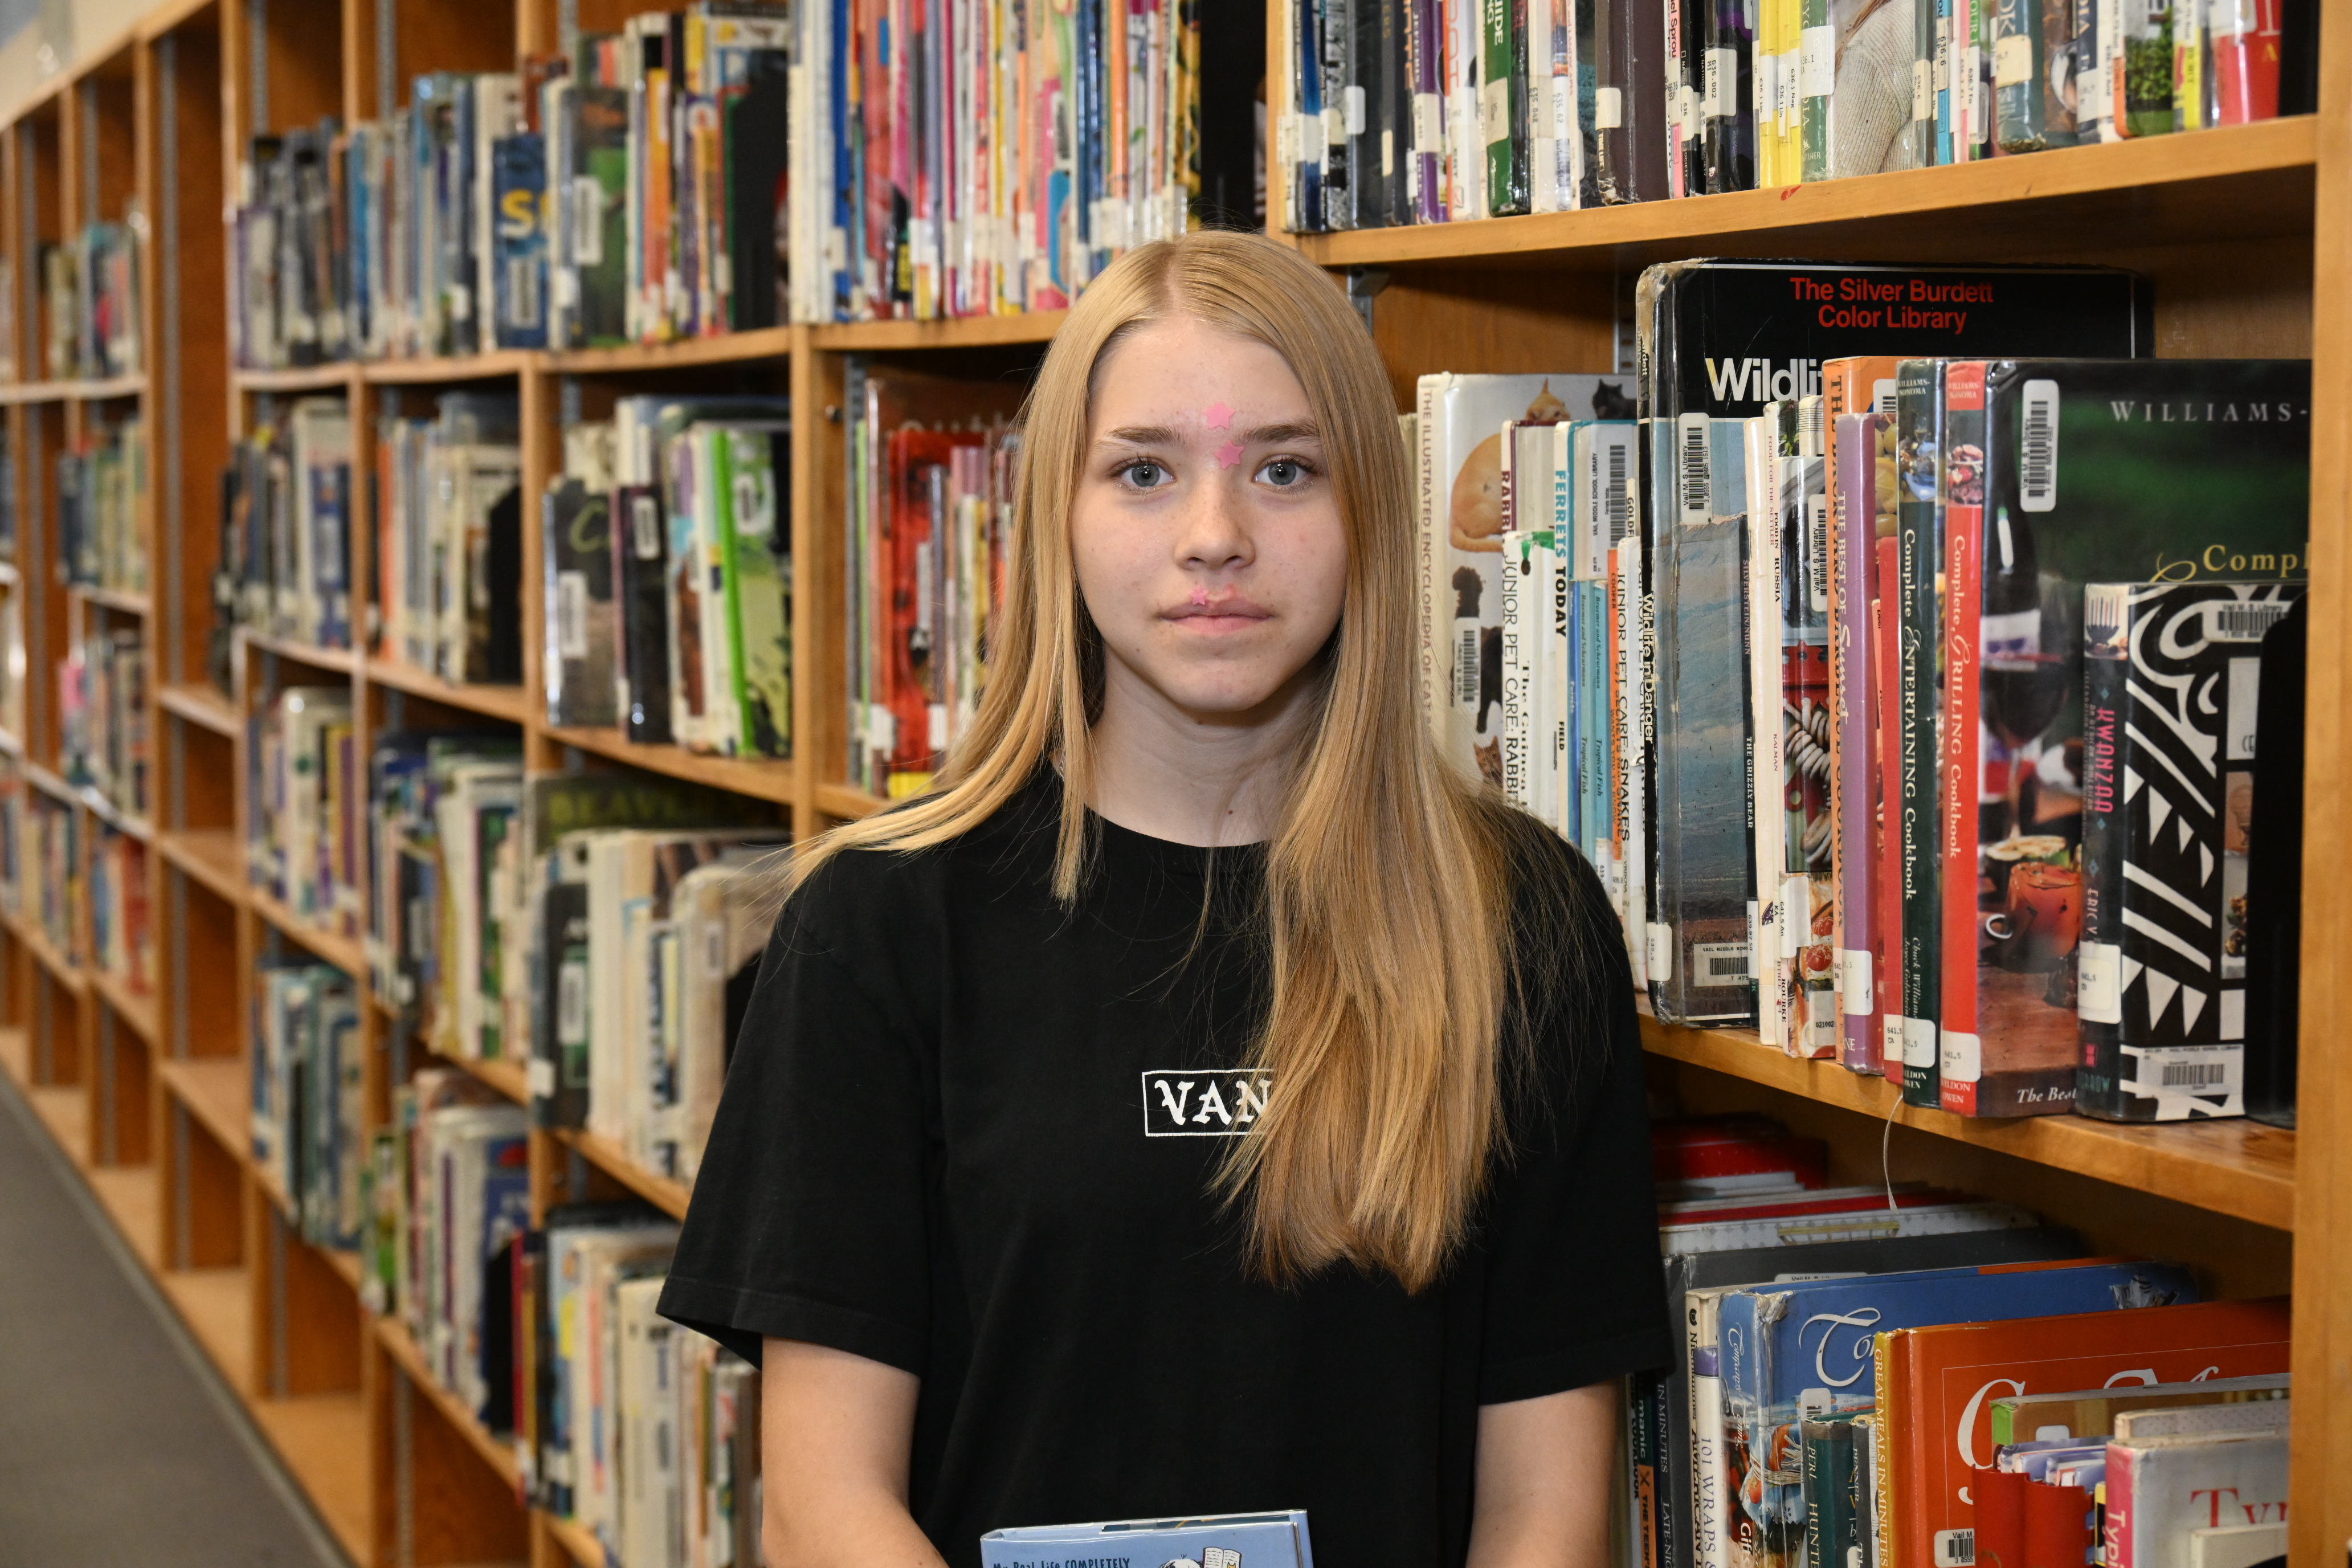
{"x":1203,"y":1104}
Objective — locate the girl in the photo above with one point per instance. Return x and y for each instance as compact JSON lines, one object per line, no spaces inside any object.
{"x":1202,"y":1100}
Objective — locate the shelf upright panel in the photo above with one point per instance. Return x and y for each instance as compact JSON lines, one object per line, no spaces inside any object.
{"x":2320,"y":1519}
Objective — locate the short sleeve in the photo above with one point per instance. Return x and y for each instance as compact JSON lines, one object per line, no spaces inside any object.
{"x":809,"y":1218}
{"x":1575,"y":1291}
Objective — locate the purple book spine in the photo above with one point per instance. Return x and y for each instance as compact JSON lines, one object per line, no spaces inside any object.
{"x":1855,"y":773}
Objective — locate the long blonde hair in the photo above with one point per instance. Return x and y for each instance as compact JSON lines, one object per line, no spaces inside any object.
{"x":1384,"y":1033}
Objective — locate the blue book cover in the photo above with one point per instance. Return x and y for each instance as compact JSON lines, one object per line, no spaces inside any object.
{"x":1702,"y":846}
{"x":1217,"y":1541}
{"x":519,"y":240}
{"x":1806,"y":1348}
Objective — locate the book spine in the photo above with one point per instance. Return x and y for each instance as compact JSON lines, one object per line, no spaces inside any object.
{"x":1711,"y":1500}
{"x":2106,"y":843}
{"x":1919,"y":415}
{"x":2118,"y":1532}
{"x":1886,"y":935}
{"x":1850,"y":758}
{"x":1816,"y":72}
{"x":1961,"y":1060}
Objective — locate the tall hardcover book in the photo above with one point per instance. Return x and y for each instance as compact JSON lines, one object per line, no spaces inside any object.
{"x":2172,"y":677}
{"x":1936,"y":1386}
{"x":1919,"y":619}
{"x":2171,"y":470}
{"x":1719,"y":340}
{"x":581,"y":630}
{"x":1807,"y":1348}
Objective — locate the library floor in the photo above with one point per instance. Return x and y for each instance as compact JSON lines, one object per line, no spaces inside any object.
{"x":117,"y":1447}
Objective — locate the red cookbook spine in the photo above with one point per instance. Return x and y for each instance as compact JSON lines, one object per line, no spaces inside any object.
{"x":1958,"y":754}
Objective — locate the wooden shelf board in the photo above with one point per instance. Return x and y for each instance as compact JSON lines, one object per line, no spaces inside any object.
{"x":343,"y":1260}
{"x":218,"y":1306}
{"x":504,"y":702}
{"x":2234,"y":1167}
{"x":2150,"y":191}
{"x":114,"y":817}
{"x":129,"y":601}
{"x":497,"y":1452}
{"x":463,"y":367}
{"x":664,"y":1193}
{"x":209,"y":855}
{"x":344,"y":952}
{"x":218,"y":1092}
{"x":331,"y":377}
{"x":512,"y":1080}
{"x":132,"y":1197}
{"x":170,"y":14}
{"x":763,"y":780}
{"x":323,"y":1438}
{"x":200,"y":704}
{"x":576,"y":1542}
{"x":131,"y":1007}
{"x":50,"y":783}
{"x":61,"y":968}
{"x":339,"y":659}
{"x":848,"y":801}
{"x":64,"y":1109}
{"x":959,"y":331}
{"x":71,"y":391}
{"x":729,"y":348}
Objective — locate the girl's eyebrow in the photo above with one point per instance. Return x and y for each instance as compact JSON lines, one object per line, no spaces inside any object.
{"x":1142,"y":435}
{"x":1273,"y":435}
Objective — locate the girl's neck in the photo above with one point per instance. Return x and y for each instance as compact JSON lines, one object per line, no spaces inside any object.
{"x":1193,"y":778}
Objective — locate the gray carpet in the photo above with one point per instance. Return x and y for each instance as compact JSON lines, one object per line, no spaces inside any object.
{"x":119,"y":1445}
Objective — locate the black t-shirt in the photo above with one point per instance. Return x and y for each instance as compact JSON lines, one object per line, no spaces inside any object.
{"x":951,"y":1141}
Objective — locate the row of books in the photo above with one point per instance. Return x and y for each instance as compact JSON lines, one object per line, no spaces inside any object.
{"x":44,"y":884}
{"x":1431,"y":110}
{"x":309,"y":1111}
{"x":1793,"y":647}
{"x":90,"y":303}
{"x":102,"y":688}
{"x":655,"y":183}
{"x":304,"y":822}
{"x":99,"y":488}
{"x":121,"y":911}
{"x":448,"y":566}
{"x":1964,"y":1343}
{"x":642,"y":1433}
{"x":286,"y":497}
{"x":602,"y":928}
{"x":668,"y":575}
{"x":928,"y":511}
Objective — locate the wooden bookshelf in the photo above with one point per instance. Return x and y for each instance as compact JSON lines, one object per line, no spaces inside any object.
{"x":2247,"y":233}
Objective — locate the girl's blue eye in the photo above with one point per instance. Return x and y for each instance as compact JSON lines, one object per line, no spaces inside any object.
{"x":1283,"y":473}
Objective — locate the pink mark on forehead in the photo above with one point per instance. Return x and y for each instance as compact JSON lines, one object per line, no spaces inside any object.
{"x":1217,"y":416}
{"x":1229,"y":454}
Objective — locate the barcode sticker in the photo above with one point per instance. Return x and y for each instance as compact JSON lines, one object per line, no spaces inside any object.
{"x":571,"y":615}
{"x":1617,"y":495}
{"x":1956,"y":1549}
{"x":571,"y":1002}
{"x":2204,"y":1071}
{"x":1720,"y":963}
{"x":522,"y":292}
{"x":1693,"y":482}
{"x":645,"y":527}
{"x":1465,"y":668}
{"x":2242,"y":620}
{"x":2038,"y":449}
{"x":587,"y":221}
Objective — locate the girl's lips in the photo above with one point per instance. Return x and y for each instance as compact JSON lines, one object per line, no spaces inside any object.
{"x":1235,"y":610}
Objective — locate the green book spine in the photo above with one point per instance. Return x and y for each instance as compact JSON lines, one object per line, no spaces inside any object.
{"x":1502,"y":102}
{"x":1830,"y":1516}
{"x":1919,"y":536}
{"x":759,"y":596}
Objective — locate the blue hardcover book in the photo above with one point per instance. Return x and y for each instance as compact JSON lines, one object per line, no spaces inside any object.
{"x":1703,"y":875}
{"x":1804,"y":1349}
{"x":1218,"y":1540}
{"x":519,"y":241}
